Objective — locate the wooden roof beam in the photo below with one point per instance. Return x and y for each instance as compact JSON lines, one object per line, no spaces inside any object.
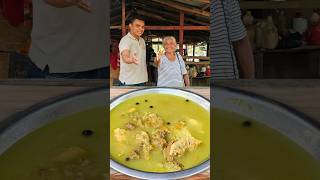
{"x":171,"y":15}
{"x":184,"y":8}
{"x":202,"y":1}
{"x":205,"y":7}
{"x":154,"y":16}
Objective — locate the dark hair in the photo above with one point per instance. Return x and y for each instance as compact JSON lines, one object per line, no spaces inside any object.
{"x":135,"y":17}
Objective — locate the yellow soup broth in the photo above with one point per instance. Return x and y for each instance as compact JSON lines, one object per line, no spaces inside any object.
{"x":70,"y":148}
{"x":143,"y":116}
{"x":247,"y":150}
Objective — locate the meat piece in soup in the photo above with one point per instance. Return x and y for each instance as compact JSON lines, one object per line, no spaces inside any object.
{"x":158,"y":138}
{"x":173,"y":141}
{"x":120,"y":134}
{"x":144,"y":144}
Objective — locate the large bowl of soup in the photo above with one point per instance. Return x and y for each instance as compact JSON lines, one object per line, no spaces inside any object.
{"x":258,"y":138}
{"x":61,"y":138}
{"x":160,"y":133}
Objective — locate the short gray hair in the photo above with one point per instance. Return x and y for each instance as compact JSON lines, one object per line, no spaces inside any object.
{"x":165,"y":39}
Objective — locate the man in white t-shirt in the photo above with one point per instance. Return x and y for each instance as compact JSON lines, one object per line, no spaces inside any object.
{"x":69,"y":38}
{"x":133,"y":67}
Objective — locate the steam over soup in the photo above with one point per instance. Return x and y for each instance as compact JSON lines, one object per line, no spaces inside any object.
{"x":69,"y":148}
{"x":245,"y":150}
{"x":159,"y":133}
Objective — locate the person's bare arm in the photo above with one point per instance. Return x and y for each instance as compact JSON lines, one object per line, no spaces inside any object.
{"x":186,"y":80}
{"x":245,"y":58}
{"x":127,"y":58}
{"x":62,"y":3}
{"x":82,"y":4}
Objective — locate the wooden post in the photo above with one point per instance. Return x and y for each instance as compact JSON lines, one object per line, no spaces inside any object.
{"x":193,"y":50}
{"x":123,"y":23}
{"x":181,"y":32}
{"x":208,"y":48}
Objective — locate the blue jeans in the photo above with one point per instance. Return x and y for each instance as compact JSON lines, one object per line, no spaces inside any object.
{"x":124,"y":84}
{"x":35,"y":72}
{"x":100,"y":73}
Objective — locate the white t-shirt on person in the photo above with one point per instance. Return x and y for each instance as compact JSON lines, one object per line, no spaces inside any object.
{"x":170,"y":73}
{"x":133,"y":73}
{"x":69,"y":39}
